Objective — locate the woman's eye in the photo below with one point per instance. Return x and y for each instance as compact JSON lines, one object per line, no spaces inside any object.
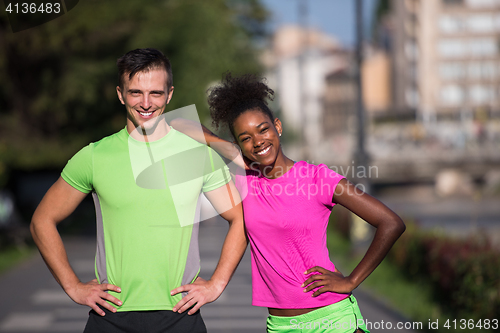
{"x":264,"y":129}
{"x":244,"y":139}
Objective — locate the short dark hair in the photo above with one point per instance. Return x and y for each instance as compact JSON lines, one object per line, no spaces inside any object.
{"x":143,"y":60}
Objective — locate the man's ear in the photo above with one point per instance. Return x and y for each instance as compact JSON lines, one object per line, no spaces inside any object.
{"x":170,"y":93}
{"x":119,"y":93}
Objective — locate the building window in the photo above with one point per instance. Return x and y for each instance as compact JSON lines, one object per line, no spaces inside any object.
{"x":482,"y":71}
{"x":450,"y":24}
{"x":483,"y":3}
{"x":474,"y":70}
{"x":452,"y":95}
{"x":411,"y":50}
{"x":452,"y":71}
{"x":481,"y":23}
{"x":413,"y":71}
{"x":457,"y":48}
{"x":483,"y":47}
{"x":479,"y":94}
{"x":497,"y":22}
{"x":452,"y":48}
{"x":412,"y":98}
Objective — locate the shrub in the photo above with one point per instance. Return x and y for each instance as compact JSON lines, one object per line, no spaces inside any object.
{"x":464,"y":273}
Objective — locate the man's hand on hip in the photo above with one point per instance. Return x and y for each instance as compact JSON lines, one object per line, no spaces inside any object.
{"x":93,"y":293}
{"x":199,"y":292}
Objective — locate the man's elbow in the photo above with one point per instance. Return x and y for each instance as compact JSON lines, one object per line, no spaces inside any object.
{"x":34,"y":226}
{"x":37,"y":224}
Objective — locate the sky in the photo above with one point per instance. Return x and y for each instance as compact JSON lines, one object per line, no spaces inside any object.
{"x":335,"y":17}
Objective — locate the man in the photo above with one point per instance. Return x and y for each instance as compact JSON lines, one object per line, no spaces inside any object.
{"x":146,"y":213}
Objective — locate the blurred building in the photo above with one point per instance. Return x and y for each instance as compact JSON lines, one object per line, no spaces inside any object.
{"x":298,"y":62}
{"x":376,"y":81}
{"x":446,"y":58}
{"x":339,"y":113}
{"x":313,"y":76}
{"x":431,"y":91}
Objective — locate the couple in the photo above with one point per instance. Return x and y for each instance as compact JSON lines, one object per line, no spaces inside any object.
{"x":147,"y":259}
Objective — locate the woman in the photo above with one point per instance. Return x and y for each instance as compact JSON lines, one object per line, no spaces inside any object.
{"x":286,"y":210}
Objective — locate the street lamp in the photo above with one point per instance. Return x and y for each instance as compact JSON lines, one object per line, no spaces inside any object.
{"x":361,"y":157}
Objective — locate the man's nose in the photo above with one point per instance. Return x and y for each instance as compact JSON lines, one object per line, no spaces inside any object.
{"x":146,"y":102}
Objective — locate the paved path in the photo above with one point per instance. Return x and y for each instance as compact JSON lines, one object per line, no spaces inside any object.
{"x":31,"y":300}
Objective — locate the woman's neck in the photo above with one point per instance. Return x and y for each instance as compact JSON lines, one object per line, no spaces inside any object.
{"x":280,"y":166}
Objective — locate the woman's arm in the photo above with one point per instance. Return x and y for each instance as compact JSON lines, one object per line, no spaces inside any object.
{"x":203,"y":135}
{"x":389,"y":227}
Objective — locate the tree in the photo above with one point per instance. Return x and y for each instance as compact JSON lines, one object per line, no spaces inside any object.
{"x":59,"y":78}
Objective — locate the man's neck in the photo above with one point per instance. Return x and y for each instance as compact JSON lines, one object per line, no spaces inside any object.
{"x":151,"y":134}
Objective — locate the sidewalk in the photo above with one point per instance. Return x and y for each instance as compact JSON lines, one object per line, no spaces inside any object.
{"x":31,"y":300}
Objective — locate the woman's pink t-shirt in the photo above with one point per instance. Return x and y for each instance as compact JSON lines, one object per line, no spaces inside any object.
{"x":286,"y":220}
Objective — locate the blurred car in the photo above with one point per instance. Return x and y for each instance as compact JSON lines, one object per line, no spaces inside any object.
{"x":12,"y":230}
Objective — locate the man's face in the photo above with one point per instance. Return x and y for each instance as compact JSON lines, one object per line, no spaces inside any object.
{"x":145,"y":97}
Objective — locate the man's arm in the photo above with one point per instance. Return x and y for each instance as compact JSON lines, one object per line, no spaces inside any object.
{"x":57,"y":204}
{"x":201,"y":291}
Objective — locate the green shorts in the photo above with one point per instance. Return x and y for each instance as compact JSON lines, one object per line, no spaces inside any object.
{"x":340,"y":317}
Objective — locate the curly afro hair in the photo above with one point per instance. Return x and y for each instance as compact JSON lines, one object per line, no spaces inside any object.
{"x":235,"y":95}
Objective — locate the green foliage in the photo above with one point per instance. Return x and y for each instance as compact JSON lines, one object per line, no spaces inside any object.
{"x":429,"y":276}
{"x":12,"y":255}
{"x":464,"y":274}
{"x":383,"y":8}
{"x":58,"y":79}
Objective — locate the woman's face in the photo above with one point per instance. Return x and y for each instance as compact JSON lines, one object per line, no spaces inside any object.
{"x":258,"y":136}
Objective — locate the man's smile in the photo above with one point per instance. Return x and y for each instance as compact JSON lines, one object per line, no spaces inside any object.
{"x":145,"y":114}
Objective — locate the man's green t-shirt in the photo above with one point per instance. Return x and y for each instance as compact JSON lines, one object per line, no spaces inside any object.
{"x":147,"y":200}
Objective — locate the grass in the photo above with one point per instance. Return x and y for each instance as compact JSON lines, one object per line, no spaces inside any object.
{"x":10,"y":256}
{"x":412,"y":299}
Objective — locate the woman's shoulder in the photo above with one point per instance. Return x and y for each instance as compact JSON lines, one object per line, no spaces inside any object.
{"x":303,"y":165}
{"x":306,"y":169}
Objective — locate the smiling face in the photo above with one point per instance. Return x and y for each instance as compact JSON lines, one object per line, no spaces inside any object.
{"x":258,"y":137}
{"x":145,"y":97}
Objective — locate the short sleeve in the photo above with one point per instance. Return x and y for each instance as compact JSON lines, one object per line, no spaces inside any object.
{"x":219,"y":175}
{"x":78,"y":171}
{"x":326,"y":181}
{"x":241,"y":183}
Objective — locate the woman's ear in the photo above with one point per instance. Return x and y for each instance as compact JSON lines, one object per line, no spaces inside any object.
{"x":278,"y":126}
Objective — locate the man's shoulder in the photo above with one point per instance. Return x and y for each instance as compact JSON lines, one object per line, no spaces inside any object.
{"x":110,"y":140}
{"x":183,"y":143}
{"x":186,"y":140}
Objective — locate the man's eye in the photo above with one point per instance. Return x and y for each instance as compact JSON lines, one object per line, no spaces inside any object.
{"x":244,"y":139}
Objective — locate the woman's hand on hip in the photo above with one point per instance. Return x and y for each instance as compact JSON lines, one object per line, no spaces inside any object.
{"x":327,"y":280}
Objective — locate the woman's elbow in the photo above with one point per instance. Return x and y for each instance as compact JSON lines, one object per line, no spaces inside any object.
{"x":398,"y":226}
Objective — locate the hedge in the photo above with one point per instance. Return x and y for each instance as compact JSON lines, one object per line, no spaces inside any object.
{"x":463,"y":273}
